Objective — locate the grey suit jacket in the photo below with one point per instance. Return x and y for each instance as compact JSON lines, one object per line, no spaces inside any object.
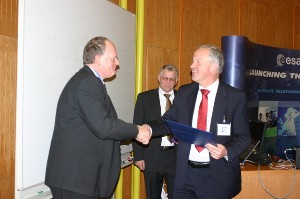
{"x":84,"y":155}
{"x":229,"y":102}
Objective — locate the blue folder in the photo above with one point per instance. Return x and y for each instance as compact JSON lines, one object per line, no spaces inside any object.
{"x":189,"y":134}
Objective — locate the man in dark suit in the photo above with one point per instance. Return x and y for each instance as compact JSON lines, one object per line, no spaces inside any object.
{"x":212,"y":172}
{"x":84,"y":156}
{"x":157,"y":159}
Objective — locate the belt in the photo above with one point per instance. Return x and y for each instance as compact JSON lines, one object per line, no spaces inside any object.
{"x":198,"y":164}
{"x":166,"y":148}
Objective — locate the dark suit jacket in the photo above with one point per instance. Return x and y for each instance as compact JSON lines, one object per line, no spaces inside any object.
{"x":147,"y":108}
{"x":229,"y":102}
{"x":84,"y":155}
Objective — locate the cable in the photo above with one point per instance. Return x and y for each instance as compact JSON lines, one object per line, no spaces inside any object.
{"x":282,"y":166}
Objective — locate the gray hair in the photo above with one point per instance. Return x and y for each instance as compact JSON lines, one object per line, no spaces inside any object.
{"x":169,"y":67}
{"x":95,"y":46}
{"x":215,"y":55}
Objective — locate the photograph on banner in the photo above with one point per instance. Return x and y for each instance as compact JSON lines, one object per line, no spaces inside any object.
{"x":281,"y":128}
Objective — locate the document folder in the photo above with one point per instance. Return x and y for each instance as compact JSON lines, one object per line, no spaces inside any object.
{"x":189,"y":134}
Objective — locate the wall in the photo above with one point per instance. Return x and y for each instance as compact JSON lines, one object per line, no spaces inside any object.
{"x":173,"y":29}
{"x":8,"y":75}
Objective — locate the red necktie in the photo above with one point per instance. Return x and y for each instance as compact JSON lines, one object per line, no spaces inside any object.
{"x":202,"y":114}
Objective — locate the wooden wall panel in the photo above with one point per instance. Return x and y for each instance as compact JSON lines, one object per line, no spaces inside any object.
{"x":7,"y":188}
{"x":268,"y":22}
{"x":9,"y":18}
{"x":296,"y":22}
{"x":161,"y":38}
{"x":131,"y":5}
{"x":127,"y":182}
{"x":162,"y":23}
{"x":8,"y":76}
{"x":156,"y":58}
{"x":205,"y":22}
{"x":142,"y":187}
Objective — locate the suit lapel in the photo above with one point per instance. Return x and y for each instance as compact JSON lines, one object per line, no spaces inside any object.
{"x":156,"y":102}
{"x":103,"y":90}
{"x":219,"y":106}
{"x":110,"y":105}
{"x":191,"y":101}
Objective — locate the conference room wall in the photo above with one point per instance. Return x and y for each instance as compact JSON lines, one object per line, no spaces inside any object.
{"x":8,"y":86}
{"x":173,"y":30}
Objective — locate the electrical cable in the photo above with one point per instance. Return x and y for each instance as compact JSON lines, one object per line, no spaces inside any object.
{"x":289,"y":167}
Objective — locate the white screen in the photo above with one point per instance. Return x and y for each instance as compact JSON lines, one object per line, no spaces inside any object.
{"x":52,"y":35}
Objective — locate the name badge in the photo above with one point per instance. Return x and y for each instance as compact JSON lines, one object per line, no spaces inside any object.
{"x":224,"y":129}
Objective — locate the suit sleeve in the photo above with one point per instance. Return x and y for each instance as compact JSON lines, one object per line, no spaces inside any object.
{"x":241,"y":138}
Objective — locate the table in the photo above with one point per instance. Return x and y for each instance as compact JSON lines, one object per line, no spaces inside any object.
{"x":277,"y":182}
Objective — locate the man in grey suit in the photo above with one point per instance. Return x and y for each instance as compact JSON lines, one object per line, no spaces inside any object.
{"x":84,"y":156}
{"x":158,"y":158}
{"x":212,"y":172}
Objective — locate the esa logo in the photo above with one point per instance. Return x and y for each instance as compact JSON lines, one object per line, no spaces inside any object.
{"x":282,"y":60}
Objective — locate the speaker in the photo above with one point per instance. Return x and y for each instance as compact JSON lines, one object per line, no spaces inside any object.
{"x":298,"y":157}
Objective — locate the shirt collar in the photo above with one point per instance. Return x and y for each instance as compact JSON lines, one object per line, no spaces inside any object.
{"x":97,"y":74}
{"x":162,"y":92}
{"x":213,"y":87}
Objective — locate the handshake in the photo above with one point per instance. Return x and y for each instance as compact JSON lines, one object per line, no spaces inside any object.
{"x":144,"y":134}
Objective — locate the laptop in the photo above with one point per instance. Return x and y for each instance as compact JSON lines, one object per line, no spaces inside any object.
{"x":245,"y":154}
{"x":257,"y":130}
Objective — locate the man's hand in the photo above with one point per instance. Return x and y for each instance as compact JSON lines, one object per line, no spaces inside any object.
{"x":140,"y":164}
{"x":217,"y":152}
{"x":144,"y":134}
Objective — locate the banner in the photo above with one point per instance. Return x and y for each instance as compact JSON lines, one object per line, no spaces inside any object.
{"x":270,"y":77}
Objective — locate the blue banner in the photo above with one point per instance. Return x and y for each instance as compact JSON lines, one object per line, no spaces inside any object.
{"x":271,"y":79}
{"x":235,"y":59}
{"x":264,"y":73}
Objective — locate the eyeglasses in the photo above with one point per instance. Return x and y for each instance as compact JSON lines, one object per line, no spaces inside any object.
{"x":171,"y":79}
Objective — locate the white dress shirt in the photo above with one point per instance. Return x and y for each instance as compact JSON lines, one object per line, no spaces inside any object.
{"x":203,"y":156}
{"x":163,"y":101}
